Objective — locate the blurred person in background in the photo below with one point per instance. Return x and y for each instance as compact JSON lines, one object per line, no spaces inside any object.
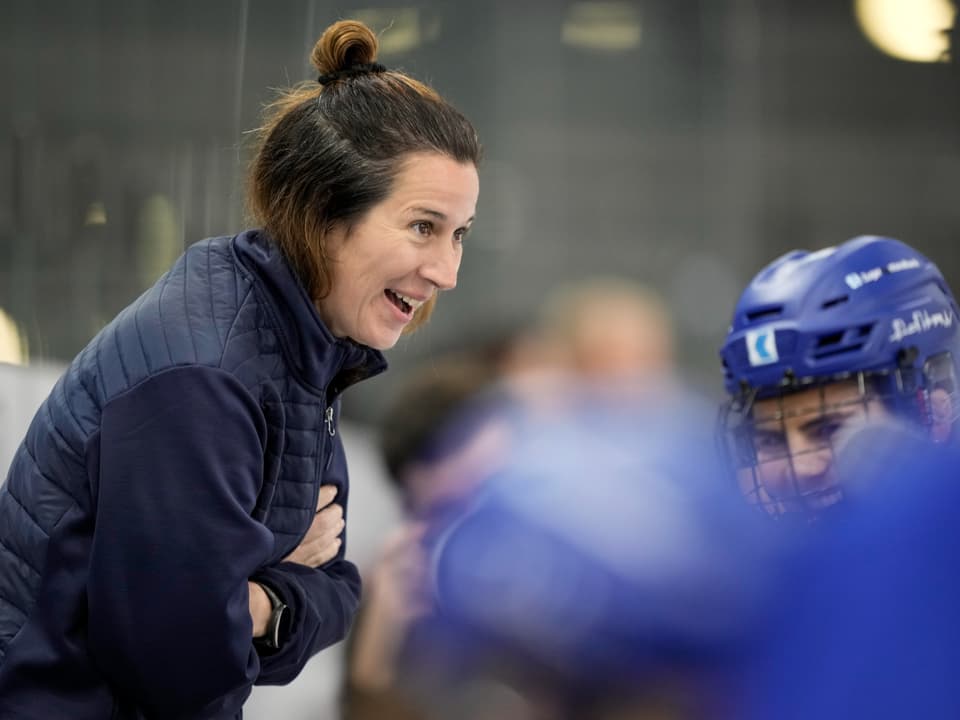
{"x":606,"y":569}
{"x":172,"y":524}
{"x":607,"y":333}
{"x":435,"y":461}
{"x":480,"y":609}
{"x":438,"y":450}
{"x":822,"y":345}
{"x":608,"y":327}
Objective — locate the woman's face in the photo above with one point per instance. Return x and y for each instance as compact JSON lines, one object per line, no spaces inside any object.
{"x":406,"y":248}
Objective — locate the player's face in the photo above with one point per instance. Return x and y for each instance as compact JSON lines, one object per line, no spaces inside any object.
{"x":795,"y":438}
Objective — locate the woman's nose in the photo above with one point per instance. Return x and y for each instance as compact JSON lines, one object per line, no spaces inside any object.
{"x":441,"y":267}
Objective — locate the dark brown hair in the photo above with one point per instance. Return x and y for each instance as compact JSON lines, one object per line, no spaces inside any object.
{"x":328,"y":153}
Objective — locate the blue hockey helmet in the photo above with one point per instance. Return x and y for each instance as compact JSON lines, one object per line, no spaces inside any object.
{"x":872,"y":310}
{"x":864,"y":305}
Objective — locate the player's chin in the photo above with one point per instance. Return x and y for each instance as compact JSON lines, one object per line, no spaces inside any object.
{"x":811,"y":501}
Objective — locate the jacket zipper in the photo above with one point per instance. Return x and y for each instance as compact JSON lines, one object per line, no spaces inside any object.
{"x":331,"y":428}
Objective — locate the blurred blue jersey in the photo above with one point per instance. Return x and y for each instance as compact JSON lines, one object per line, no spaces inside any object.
{"x":866,"y":624}
{"x":612,"y":545}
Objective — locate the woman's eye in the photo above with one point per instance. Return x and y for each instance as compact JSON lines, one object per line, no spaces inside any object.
{"x":422,"y":227}
{"x":460,"y":234}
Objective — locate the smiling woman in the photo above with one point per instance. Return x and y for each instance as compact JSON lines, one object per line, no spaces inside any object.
{"x":199,"y":428}
{"x":388,"y":266}
{"x":366,"y":152}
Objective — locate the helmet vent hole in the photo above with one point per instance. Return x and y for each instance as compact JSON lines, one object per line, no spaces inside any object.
{"x":828,"y":340}
{"x":834,"y":301}
{"x":766,"y":312}
{"x":848,"y":340}
{"x":834,"y":351}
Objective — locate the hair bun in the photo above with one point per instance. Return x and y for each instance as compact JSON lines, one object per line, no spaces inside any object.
{"x":343,"y":45}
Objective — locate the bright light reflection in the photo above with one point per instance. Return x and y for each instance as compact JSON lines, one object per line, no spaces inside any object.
{"x":602,"y":26}
{"x":913,"y":30}
{"x":12,"y":346}
{"x":400,"y":30}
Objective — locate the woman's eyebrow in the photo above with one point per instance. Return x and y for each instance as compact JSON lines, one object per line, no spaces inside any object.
{"x":427,"y":211}
{"x":419,"y":210}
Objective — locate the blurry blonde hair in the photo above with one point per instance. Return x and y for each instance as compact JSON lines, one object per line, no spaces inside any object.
{"x":609,"y":326}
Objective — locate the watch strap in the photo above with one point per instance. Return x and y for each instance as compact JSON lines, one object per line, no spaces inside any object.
{"x":272,"y":639}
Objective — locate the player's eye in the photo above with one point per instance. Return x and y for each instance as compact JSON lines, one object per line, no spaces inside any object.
{"x":825,"y":432}
{"x":769,"y":443}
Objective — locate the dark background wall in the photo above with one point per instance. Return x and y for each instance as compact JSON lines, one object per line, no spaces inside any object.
{"x":724,"y":133}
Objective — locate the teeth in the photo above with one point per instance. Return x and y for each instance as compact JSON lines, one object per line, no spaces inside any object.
{"x":409,"y":300}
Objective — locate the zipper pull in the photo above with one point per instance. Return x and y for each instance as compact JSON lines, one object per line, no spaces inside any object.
{"x":329,"y":420}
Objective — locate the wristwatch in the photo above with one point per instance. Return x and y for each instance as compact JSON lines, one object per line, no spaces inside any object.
{"x":279,"y":623}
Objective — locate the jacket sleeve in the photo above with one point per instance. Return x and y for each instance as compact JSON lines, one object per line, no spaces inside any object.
{"x":324,"y":602}
{"x":181,"y":460}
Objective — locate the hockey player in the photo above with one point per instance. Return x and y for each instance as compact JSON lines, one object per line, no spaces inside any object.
{"x":822,"y":344}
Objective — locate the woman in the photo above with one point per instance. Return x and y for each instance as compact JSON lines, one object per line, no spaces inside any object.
{"x":170,"y":527}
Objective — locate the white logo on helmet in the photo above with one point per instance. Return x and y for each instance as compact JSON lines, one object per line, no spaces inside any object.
{"x":762,"y":347}
{"x":901,"y":265}
{"x":920,"y":321}
{"x":857,"y":280}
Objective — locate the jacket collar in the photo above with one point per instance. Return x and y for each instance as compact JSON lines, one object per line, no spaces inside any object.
{"x":319,"y":358}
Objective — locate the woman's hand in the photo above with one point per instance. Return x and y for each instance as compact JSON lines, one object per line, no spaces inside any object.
{"x":319,"y":545}
{"x":322,"y":541}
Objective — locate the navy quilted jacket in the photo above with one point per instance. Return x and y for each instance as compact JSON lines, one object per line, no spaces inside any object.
{"x":179,"y":455}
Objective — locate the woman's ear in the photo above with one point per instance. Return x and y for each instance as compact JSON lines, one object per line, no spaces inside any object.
{"x":941,"y":415}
